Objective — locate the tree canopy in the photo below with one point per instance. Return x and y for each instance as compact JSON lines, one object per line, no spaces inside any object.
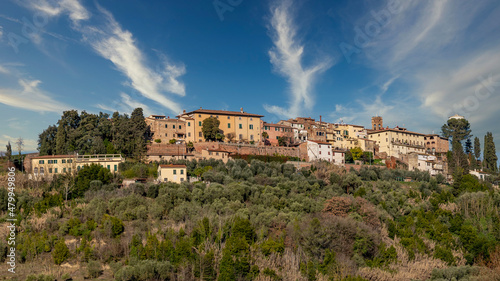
{"x":210,"y":129}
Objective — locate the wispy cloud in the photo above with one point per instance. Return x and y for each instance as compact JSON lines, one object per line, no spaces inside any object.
{"x":4,"y":70}
{"x":125,"y":104}
{"x":119,"y":46}
{"x":30,"y":97}
{"x":1,"y":32}
{"x":54,"y":8}
{"x":286,"y":57}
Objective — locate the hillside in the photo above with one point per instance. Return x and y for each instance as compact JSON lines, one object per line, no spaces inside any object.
{"x":255,"y":221}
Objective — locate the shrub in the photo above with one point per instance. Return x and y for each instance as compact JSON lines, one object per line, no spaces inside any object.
{"x":94,"y":269}
{"x":41,"y":277}
{"x":113,"y":226}
{"x":60,"y":253}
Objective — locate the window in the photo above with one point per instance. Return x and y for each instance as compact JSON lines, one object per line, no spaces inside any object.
{"x":166,"y":125}
{"x":189,"y":124}
{"x":276,"y":128}
{"x":55,"y":170}
{"x":36,"y":170}
{"x":277,"y":137}
{"x":189,"y":134}
{"x":70,"y":160}
{"x":173,"y":126}
{"x":228,"y":117}
{"x":63,"y":161}
{"x":40,"y":161}
{"x":217,"y":153}
{"x":240,"y":136}
{"x":199,"y":134}
{"x":41,"y":170}
{"x":240,"y":118}
{"x":251,"y":119}
{"x":50,"y":170}
{"x":78,"y":168}
{"x":64,"y":170}
{"x":240,"y":126}
{"x":109,"y":167}
{"x":251,"y":137}
{"x":166,"y":135}
{"x":251,"y":127}
{"x":116,"y":168}
{"x":180,"y":127}
{"x":182,"y":179}
{"x":199,"y":123}
{"x":69,"y":170}
{"x":175,"y":172}
{"x":199,"y":115}
{"x":228,"y":125}
{"x":182,"y":172}
{"x":49,"y":162}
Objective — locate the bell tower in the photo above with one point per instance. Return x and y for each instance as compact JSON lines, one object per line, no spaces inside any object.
{"x":377,"y":123}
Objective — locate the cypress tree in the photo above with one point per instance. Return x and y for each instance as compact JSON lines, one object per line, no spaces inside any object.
{"x":489,"y":155}
{"x":477,"y":148}
{"x":9,"y":151}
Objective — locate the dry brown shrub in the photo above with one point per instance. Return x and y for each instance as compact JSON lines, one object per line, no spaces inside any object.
{"x":342,"y":206}
{"x":419,"y":268}
{"x":324,"y":170}
{"x":39,"y":223}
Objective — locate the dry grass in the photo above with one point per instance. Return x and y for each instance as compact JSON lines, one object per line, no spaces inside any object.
{"x":404,"y":269}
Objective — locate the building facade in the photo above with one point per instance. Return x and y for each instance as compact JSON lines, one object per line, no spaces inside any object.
{"x":319,"y":150}
{"x":165,"y":129}
{"x":237,"y":126}
{"x":217,"y":154}
{"x":398,"y":141}
{"x":172,"y":173}
{"x":436,"y":144}
{"x":50,"y":165}
{"x":275,"y":131}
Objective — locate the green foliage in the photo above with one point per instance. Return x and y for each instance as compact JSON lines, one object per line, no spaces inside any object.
{"x":357,"y":153}
{"x":145,"y":270}
{"x":40,"y":277}
{"x":172,"y":141}
{"x":272,"y":246}
{"x":490,"y":154}
{"x":88,"y":174}
{"x":94,"y":269}
{"x":60,"y":253}
{"x":210,"y":129}
{"x":113,"y":226}
{"x":158,"y":140}
{"x":48,"y":201}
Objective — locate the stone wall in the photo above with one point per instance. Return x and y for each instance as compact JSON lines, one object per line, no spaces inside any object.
{"x":248,"y":149}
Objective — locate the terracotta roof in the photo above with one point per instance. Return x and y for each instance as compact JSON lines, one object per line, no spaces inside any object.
{"x":337,"y":150}
{"x":172,"y":166}
{"x":53,"y":156}
{"x":169,"y":154}
{"x":222,"y":112}
{"x":393,"y":130}
{"x":277,"y":125}
{"x":320,"y":142}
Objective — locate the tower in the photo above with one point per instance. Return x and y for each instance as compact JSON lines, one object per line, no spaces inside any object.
{"x":377,"y":123}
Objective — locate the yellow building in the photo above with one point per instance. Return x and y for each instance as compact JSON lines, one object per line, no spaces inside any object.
{"x":398,"y":141}
{"x":237,"y":126}
{"x":172,"y":173}
{"x":50,"y":165}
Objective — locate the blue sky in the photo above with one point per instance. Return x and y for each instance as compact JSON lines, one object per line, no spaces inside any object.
{"x":413,"y":62}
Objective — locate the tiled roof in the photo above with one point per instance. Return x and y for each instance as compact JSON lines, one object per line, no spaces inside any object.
{"x":394,"y":130}
{"x":53,"y":156}
{"x":172,"y":166}
{"x":222,"y":112}
{"x":320,"y":142}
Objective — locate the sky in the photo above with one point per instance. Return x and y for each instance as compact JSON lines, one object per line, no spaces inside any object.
{"x":415,"y":63}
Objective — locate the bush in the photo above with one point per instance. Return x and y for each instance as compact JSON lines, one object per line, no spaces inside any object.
{"x":60,"y":253}
{"x":113,"y":226}
{"x":94,"y":269}
{"x":461,"y":273}
{"x":41,"y":277}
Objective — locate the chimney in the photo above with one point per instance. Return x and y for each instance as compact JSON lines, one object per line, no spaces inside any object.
{"x":241,"y":109}
{"x":200,"y":107}
{"x":184,"y":111}
{"x":320,"y":120}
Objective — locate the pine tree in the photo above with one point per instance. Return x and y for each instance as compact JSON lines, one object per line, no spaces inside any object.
{"x":457,"y":130}
{"x":141,"y":132}
{"x":468,"y":146}
{"x":489,"y":155}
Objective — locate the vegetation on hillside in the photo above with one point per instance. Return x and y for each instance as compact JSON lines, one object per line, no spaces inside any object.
{"x":258,"y":221}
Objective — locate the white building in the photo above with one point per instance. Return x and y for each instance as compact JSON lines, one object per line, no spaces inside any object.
{"x":479,"y":174}
{"x":338,"y":157}
{"x":319,"y":150}
{"x":425,"y":162}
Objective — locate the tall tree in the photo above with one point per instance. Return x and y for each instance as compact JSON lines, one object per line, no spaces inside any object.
{"x":468,"y":146}
{"x":20,"y":145}
{"x":67,"y":133}
{"x":9,"y":151}
{"x":141,"y":132}
{"x":456,"y":129}
{"x":47,"y":141}
{"x":490,"y":154}
{"x":477,"y":148}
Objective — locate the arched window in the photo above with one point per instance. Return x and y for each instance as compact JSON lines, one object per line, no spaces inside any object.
{"x":36,"y":170}
{"x":41,"y":170}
